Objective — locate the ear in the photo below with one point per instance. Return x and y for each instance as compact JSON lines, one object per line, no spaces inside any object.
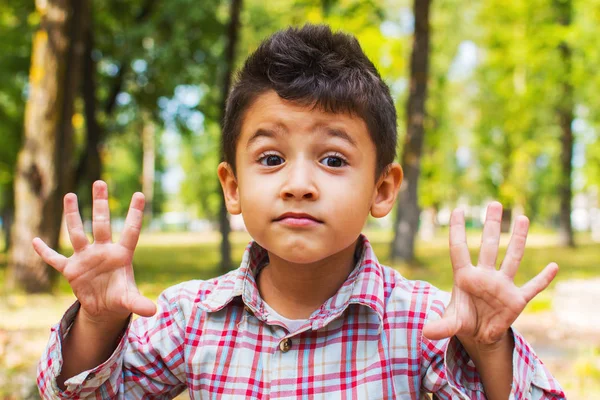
{"x":386,"y":190}
{"x":230,"y":188}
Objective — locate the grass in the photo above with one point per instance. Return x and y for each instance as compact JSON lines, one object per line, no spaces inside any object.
{"x":581,"y":262}
{"x":165,"y":259}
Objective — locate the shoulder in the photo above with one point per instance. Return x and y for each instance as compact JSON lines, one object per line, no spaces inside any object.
{"x":419,"y":298}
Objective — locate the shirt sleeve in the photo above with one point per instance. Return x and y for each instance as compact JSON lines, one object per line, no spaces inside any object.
{"x":448,"y":372}
{"x":148,"y":360}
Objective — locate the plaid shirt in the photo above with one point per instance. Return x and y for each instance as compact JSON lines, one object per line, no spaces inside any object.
{"x":212,"y":337}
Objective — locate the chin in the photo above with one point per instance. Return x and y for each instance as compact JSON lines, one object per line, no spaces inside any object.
{"x":296,"y":250}
{"x":297,"y":257}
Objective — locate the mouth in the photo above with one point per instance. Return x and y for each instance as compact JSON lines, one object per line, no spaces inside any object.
{"x":297,"y":219}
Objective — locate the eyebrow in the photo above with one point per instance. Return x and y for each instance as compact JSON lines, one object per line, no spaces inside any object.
{"x":261,"y":132}
{"x":332,"y":132}
{"x":340,"y":133}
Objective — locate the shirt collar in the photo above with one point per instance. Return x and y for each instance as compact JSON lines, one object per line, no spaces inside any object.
{"x":364,"y":286}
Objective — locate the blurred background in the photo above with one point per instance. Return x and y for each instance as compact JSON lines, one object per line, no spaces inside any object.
{"x":497,"y":100}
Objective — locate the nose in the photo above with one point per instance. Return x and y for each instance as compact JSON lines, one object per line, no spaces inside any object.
{"x":299,"y":183}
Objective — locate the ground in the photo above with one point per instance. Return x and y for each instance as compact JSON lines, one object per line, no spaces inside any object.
{"x":571,"y":355}
{"x":572,"y":352}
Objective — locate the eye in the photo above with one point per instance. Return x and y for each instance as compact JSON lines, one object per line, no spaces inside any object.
{"x":333,"y":161}
{"x":271,"y":160}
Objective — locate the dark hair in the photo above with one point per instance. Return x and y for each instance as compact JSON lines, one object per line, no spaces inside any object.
{"x":314,"y":66}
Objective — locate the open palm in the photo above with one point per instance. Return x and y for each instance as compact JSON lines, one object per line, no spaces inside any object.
{"x":101,"y":273}
{"x":485,"y":301}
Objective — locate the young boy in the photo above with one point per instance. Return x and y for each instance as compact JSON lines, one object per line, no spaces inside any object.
{"x":309,"y":142}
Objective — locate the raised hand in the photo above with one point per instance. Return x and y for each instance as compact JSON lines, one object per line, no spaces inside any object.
{"x":101,"y":273}
{"x":485,"y":301}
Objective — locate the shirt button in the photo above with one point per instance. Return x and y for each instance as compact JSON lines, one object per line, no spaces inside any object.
{"x":285,"y":345}
{"x":247,"y":309}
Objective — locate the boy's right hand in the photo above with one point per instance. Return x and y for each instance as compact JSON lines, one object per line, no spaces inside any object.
{"x":101,"y":273}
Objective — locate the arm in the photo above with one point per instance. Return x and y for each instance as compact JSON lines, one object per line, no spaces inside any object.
{"x":148,"y":360}
{"x":494,"y":364}
{"x":101,"y":276}
{"x":88,"y":344}
{"x":485,"y":302}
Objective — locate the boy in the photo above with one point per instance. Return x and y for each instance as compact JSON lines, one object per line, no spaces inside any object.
{"x":309,"y":142}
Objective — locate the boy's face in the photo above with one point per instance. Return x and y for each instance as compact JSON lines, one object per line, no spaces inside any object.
{"x":305,"y":179}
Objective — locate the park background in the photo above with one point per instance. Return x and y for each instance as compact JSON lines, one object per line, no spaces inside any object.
{"x":497,"y":100}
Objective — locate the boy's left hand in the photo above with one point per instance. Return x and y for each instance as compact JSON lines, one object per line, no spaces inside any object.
{"x":485,"y":300}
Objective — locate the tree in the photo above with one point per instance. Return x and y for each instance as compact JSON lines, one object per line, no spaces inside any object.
{"x":233,"y":30}
{"x":89,"y":166}
{"x":565,"y":114}
{"x":444,"y":176}
{"x":407,"y":214}
{"x":44,"y":168}
{"x":515,"y":134}
{"x":586,"y":57}
{"x":139,"y":56}
{"x":17,"y":19}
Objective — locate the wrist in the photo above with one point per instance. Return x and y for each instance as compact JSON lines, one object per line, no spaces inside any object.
{"x":105,"y":322}
{"x":494,"y":363}
{"x":478,"y":350}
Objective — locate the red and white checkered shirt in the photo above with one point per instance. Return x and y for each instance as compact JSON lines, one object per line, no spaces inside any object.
{"x":212,"y":337}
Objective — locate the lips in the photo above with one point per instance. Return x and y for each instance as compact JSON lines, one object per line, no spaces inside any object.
{"x":297,"y":219}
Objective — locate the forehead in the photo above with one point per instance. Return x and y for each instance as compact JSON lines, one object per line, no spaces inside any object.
{"x":269,"y":112}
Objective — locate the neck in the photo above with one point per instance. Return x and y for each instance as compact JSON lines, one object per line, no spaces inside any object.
{"x":296,"y":290}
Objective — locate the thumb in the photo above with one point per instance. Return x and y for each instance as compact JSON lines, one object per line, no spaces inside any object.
{"x":440,"y":329}
{"x":141,"y":305}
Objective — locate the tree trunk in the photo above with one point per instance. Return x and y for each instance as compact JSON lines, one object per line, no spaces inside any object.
{"x":89,"y":168}
{"x":407,"y":216}
{"x":7,"y":212}
{"x":8,"y":215}
{"x":44,"y":166}
{"x":565,"y":113}
{"x":506,"y":220}
{"x":232,"y":41}
{"x":148,"y":164}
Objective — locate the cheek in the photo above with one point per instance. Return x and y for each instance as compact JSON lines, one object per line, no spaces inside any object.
{"x":255,"y":196}
{"x":350,"y":200}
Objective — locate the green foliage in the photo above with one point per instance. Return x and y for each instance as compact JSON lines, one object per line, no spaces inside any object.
{"x":200,"y":153}
{"x":587,"y":57}
{"x":157,"y":58}
{"x":520,"y":82}
{"x":17,"y":24}
{"x":123,"y":155}
{"x":441,"y":176}
{"x":490,"y":131}
{"x":199,"y":160}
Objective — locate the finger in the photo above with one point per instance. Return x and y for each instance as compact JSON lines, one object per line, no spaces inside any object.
{"x":141,"y":305}
{"x":539,"y":282}
{"x":459,"y":252}
{"x":74,"y":225}
{"x":50,"y":257}
{"x":133,"y":222}
{"x":516,"y":247}
{"x":100,"y":213}
{"x":491,"y":236}
{"x":440,"y":329}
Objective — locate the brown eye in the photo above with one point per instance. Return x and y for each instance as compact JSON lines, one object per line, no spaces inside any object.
{"x":334,"y":162}
{"x":271,"y":160}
